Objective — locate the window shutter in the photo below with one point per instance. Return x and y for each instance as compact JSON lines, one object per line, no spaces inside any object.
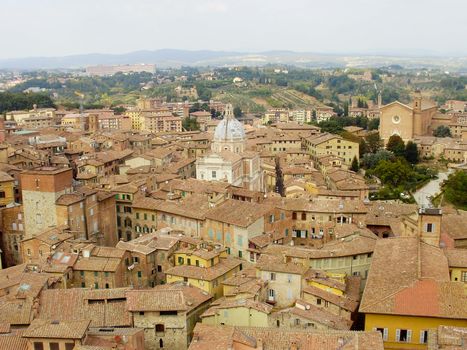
{"x":422,"y":337}
{"x":409,"y":336}
{"x":398,"y":334}
{"x":385,"y":334}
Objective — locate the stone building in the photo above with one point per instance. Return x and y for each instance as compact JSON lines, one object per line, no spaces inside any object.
{"x":167,"y":314}
{"x":406,"y":121}
{"x":41,"y":188}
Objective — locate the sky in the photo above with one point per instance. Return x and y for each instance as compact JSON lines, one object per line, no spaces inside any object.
{"x":65,"y":27}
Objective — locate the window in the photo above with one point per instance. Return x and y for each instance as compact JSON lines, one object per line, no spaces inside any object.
{"x":297,"y":322}
{"x":240,"y":254}
{"x":159,"y":267}
{"x":96,"y":285}
{"x":384,"y":332}
{"x":272,"y":276}
{"x":430,"y":227}
{"x":161,"y":343}
{"x":140,"y":274}
{"x":294,"y":216}
{"x":271,"y":218}
{"x":160,"y":328}
{"x":96,"y":273}
{"x":69,"y":346}
{"x":303,"y":216}
{"x":54,"y":346}
{"x":318,"y":301}
{"x":181,"y":260}
{"x":403,"y":335}
{"x":107,"y":286}
{"x":271,"y":293}
{"x":423,"y":337}
{"x":83,"y":285}
{"x":213,"y":174}
{"x":38,"y":346}
{"x":188,"y":261}
{"x":464,"y":276}
{"x":2,"y":194}
{"x":168,"y":313}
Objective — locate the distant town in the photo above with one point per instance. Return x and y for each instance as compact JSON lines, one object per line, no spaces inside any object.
{"x":234,"y":207}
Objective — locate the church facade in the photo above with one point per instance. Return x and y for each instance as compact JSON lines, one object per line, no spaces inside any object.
{"x":407,"y":121}
{"x":228,"y":161}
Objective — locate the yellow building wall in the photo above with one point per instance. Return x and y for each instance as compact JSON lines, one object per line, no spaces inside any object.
{"x":456,"y":273}
{"x":326,"y":288}
{"x":213,"y":287}
{"x":193,"y":258}
{"x":238,"y":316}
{"x":201,"y":284}
{"x":416,"y":324}
{"x":8,"y":188}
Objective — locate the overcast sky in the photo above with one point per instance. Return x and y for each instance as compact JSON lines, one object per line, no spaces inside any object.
{"x":64,"y":27}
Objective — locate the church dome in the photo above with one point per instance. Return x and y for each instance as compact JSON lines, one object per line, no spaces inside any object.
{"x":229,"y":129}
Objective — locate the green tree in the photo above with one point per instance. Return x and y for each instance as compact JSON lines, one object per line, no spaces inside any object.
{"x":455,"y":189}
{"x":393,"y":173}
{"x":374,"y":142}
{"x":396,"y":145}
{"x":442,"y":131}
{"x":373,"y":124}
{"x":237,"y":111}
{"x":362,"y":147}
{"x":371,"y":160}
{"x":190,"y":124}
{"x":354,"y":166}
{"x":411,"y":152}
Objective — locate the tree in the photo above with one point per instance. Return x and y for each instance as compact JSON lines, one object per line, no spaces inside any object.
{"x":362,"y":147}
{"x":396,"y":145}
{"x":373,"y":124}
{"x":411,"y":152}
{"x":455,"y":189}
{"x":237,"y":111}
{"x":354,"y":166}
{"x":371,"y":160}
{"x":190,"y":124}
{"x":393,"y":173}
{"x":442,"y":131}
{"x":374,"y":142}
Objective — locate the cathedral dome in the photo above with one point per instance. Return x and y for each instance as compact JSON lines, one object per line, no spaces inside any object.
{"x":229,"y":129}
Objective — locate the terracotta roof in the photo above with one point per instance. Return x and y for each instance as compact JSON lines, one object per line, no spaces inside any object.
{"x":238,"y":213}
{"x":207,"y":337}
{"x":409,"y":277}
{"x":13,"y":342}
{"x":318,"y":314}
{"x":221,"y":304}
{"x":456,"y":257}
{"x":277,"y":264}
{"x":107,"y":307}
{"x":166,"y":298}
{"x":205,"y":273}
{"x":54,"y":329}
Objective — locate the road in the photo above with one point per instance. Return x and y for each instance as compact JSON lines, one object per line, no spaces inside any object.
{"x":432,"y":188}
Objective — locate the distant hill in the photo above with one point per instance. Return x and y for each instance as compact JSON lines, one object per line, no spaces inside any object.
{"x":177,"y":58}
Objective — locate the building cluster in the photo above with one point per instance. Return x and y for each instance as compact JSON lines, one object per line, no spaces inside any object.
{"x":232,"y":237}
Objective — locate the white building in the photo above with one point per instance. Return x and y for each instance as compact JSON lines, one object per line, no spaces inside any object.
{"x":228,"y":160}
